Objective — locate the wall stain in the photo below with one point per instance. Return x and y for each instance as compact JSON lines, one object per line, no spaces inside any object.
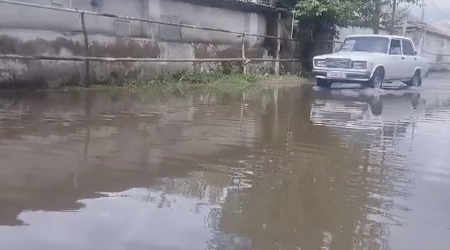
{"x":123,"y":47}
{"x":10,"y":45}
{"x":231,"y":51}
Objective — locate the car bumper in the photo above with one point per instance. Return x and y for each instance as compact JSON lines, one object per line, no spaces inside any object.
{"x":350,"y":76}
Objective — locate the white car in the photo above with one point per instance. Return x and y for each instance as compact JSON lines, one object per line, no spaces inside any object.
{"x":371,"y":60}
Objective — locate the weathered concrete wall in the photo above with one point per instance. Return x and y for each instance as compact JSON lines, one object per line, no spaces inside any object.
{"x":49,"y":32}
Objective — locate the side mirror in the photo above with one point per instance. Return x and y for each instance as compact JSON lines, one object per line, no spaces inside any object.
{"x":415,"y":52}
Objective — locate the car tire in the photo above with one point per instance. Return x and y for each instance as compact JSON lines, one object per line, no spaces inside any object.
{"x":323,"y":83}
{"x":416,"y":80}
{"x":377,"y":79}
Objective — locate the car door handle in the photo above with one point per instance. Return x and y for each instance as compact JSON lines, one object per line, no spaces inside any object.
{"x":403,"y":58}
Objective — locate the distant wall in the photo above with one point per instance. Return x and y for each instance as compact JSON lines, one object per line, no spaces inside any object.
{"x":28,"y":31}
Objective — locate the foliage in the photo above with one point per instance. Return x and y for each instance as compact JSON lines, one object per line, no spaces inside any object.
{"x":214,"y":78}
{"x":329,"y":13}
{"x":367,"y":12}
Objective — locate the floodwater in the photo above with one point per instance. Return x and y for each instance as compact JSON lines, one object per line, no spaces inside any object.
{"x":283,"y":168}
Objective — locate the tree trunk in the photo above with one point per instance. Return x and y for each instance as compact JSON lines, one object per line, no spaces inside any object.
{"x":392,"y":26}
{"x":376,"y":17}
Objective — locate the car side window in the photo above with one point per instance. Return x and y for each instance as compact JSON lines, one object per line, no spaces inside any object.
{"x":396,"y":47}
{"x":408,"y":49}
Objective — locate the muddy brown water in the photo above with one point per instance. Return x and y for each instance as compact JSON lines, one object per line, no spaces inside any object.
{"x":283,"y":168}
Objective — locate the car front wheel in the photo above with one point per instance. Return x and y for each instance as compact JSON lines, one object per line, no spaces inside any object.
{"x":377,"y":79}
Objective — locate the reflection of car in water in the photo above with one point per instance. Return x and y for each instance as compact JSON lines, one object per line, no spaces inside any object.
{"x":391,"y":104}
{"x":361,"y":112}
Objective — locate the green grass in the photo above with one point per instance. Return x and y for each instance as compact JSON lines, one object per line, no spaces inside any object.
{"x":185,"y":82}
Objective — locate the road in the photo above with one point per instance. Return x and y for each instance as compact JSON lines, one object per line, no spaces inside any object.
{"x":279,"y":168}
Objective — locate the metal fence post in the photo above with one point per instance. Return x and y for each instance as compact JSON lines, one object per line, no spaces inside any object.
{"x":244,"y":63}
{"x":277,"y":56}
{"x":86,"y":48}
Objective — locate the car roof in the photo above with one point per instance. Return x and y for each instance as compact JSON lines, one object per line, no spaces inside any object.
{"x":378,"y":35}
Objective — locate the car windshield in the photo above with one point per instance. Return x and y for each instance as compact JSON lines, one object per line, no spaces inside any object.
{"x":368,"y":44}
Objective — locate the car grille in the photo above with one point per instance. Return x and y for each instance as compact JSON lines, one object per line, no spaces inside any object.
{"x":338,"y":63}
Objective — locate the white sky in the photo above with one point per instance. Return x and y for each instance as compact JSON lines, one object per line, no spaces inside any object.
{"x":437,"y":12}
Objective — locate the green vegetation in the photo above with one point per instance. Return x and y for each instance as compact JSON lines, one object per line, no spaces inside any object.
{"x":318,"y":20}
{"x":325,"y":15}
{"x":207,"y":81}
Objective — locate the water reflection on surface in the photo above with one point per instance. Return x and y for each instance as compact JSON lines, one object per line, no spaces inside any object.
{"x":283,"y":168}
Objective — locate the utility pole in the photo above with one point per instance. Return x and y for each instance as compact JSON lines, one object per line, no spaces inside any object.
{"x":424,"y":28}
{"x":422,"y":19}
{"x":394,"y":9}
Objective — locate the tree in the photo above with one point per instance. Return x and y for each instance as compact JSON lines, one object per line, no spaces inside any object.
{"x":317,"y":23}
{"x":376,"y":13}
{"x":325,"y":14}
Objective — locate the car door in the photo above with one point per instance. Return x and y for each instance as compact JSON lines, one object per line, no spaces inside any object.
{"x":410,"y":57}
{"x":396,"y":67}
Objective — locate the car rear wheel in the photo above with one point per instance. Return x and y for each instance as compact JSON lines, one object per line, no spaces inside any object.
{"x":323,"y":83}
{"x":415,"y":81}
{"x":377,"y":79}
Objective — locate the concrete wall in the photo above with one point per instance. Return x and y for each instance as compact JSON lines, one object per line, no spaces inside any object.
{"x":32,"y":31}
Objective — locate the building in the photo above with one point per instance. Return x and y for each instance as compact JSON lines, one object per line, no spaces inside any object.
{"x":432,"y":41}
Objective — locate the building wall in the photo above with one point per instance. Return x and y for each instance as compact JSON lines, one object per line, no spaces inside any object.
{"x":435,"y":48}
{"x":439,"y":48}
{"x":50,"y":32}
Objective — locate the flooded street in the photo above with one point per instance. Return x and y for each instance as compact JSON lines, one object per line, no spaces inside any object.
{"x":282,"y":168}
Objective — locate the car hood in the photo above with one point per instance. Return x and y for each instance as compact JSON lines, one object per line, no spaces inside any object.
{"x":356,"y":56}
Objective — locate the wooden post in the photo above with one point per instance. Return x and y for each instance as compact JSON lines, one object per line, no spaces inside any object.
{"x":244,"y":59}
{"x":86,"y":48}
{"x":277,"y":55}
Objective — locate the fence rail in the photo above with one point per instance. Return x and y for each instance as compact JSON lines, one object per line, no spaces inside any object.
{"x":133,"y":59}
{"x":439,"y":64}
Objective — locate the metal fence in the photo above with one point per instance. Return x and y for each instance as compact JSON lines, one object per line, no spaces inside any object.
{"x":87,"y":58}
{"x":438,"y":61}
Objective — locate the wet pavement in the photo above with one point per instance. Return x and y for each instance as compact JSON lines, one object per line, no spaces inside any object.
{"x":284,"y":168}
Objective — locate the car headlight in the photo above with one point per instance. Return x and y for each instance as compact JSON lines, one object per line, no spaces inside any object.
{"x":359,"y":65}
{"x":320,"y":63}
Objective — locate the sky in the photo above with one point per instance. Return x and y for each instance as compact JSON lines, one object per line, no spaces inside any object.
{"x":435,"y":10}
